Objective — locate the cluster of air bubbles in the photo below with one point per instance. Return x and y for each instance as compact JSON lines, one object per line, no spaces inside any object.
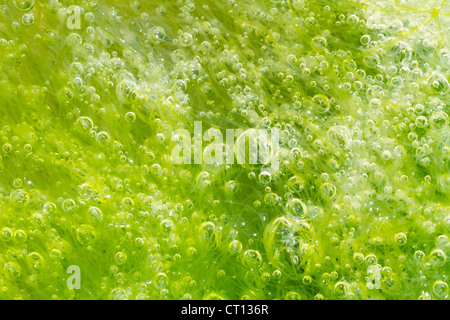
{"x":350,"y":202}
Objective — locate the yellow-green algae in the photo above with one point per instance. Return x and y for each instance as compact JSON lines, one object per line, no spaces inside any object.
{"x":359,"y":90}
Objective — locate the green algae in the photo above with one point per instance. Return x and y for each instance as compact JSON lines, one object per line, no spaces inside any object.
{"x":359,"y":208}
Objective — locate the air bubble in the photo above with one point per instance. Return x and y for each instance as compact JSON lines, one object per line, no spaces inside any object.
{"x":235,"y":247}
{"x":28,"y":19}
{"x":130,"y":117}
{"x":371,"y":259}
{"x":20,"y":197}
{"x":319,"y":42}
{"x":161,"y":10}
{"x":252,"y":259}
{"x":386,"y":155}
{"x":271,"y":199}
{"x":167,"y":227}
{"x":352,"y":19}
{"x":439,"y":120}
{"x":328,"y":190}
{"x":96,"y":213}
{"x":321,"y":102}
{"x":85,"y":124}
{"x":135,"y":5}
{"x":20,"y":236}
{"x":186,"y":39}
{"x":49,"y":208}
{"x":86,"y":235}
{"x":341,"y":289}
{"x":36,"y":260}
{"x":6,"y":234}
{"x":12,"y":270}
{"x":160,"y":138}
{"x":296,"y":207}
{"x":118,"y":294}
{"x":103,"y":138}
{"x":307,"y":280}
{"x":24,"y":5}
{"x":192,"y":252}
{"x":319,"y":296}
{"x":7,"y":148}
{"x":365,"y":39}
{"x":400,"y":239}
{"x":68,"y":205}
{"x":372,"y":60}
{"x":440,"y":289}
{"x":292,"y":295}
{"x":264,"y":177}
{"x":157,"y":34}
{"x":120,"y":258}
{"x":421,"y":122}
{"x":139,"y":242}
{"x":438,"y":257}
{"x":207,"y":232}
{"x":17,"y":183}
{"x":89,"y":16}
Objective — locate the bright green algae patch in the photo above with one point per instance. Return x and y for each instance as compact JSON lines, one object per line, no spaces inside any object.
{"x":359,"y":208}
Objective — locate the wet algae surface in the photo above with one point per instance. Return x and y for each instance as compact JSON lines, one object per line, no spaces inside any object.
{"x":93,"y":205}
